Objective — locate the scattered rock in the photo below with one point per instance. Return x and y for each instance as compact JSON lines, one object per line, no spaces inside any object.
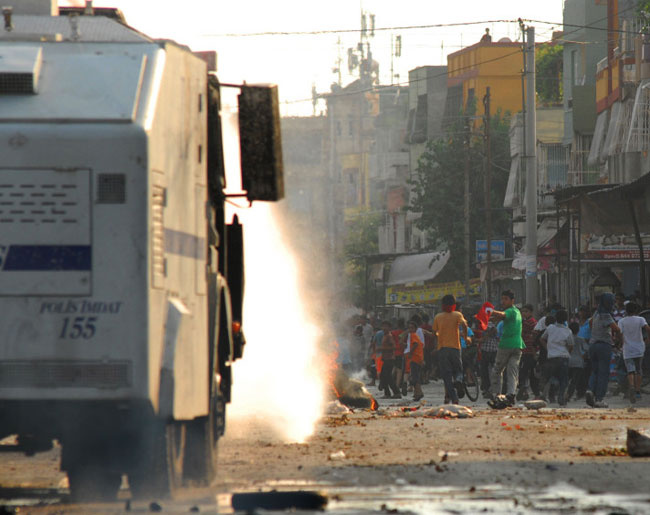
{"x":155,"y":507}
{"x":637,"y":444}
{"x":535,"y":404}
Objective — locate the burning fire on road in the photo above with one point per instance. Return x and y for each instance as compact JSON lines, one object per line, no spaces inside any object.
{"x":345,"y":389}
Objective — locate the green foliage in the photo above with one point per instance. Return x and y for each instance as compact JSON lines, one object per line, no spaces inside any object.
{"x":361,"y":239}
{"x":362,"y":235}
{"x":438,"y":189}
{"x":548,"y":67}
{"x":643,"y":12}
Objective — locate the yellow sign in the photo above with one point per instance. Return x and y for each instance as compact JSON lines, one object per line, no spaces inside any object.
{"x":429,"y":294}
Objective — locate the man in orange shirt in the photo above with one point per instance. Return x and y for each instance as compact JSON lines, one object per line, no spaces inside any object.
{"x":416,"y":353}
{"x":447,"y":326}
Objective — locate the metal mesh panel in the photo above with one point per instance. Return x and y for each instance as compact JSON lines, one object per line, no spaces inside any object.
{"x":64,"y":374}
{"x":16,"y":83}
{"x":111,"y":188}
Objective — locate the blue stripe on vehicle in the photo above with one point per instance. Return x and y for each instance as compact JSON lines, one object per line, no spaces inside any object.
{"x":48,"y":258}
{"x":184,"y":244}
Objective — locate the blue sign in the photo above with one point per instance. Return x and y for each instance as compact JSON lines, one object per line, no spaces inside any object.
{"x":498,"y":250}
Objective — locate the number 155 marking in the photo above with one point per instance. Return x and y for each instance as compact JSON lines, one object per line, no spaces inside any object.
{"x":78,"y":327}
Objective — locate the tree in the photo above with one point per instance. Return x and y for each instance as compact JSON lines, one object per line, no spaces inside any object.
{"x":438,"y":189}
{"x":643,"y":13}
{"x":548,"y":67}
{"x":361,"y":240}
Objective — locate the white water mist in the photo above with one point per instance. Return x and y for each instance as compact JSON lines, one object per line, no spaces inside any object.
{"x":280,"y":382}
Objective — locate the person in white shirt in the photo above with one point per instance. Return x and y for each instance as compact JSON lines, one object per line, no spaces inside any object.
{"x":634,"y":341}
{"x":558,"y":341}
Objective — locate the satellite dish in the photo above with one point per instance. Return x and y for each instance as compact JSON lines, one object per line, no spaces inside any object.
{"x":505,"y":40}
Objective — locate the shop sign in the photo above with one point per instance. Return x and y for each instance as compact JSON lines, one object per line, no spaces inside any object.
{"x":429,"y":294}
{"x":613,"y":247}
{"x":498,"y":250}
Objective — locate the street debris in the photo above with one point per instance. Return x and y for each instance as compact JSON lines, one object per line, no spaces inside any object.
{"x":607,"y":451}
{"x":279,"y":501}
{"x":339,"y":455}
{"x":638,"y":444}
{"x":352,"y":392}
{"x":449,"y":411}
{"x":445,"y":455}
{"x":336,"y":408}
{"x":535,"y":404}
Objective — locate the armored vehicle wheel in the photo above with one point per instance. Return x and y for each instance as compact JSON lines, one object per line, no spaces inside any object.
{"x":202,"y":443}
{"x":93,"y":472}
{"x":160,"y":459}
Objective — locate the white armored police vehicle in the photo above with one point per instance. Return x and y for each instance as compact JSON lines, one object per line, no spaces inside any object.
{"x":121,"y":282}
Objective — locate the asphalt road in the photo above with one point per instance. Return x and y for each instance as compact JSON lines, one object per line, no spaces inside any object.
{"x":509,"y":461}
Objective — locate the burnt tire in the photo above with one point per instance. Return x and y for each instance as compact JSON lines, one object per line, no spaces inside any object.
{"x":160,"y":462}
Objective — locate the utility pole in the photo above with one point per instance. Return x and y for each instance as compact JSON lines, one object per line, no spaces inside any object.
{"x":531,"y":172}
{"x":487,"y":187}
{"x":468,"y":250}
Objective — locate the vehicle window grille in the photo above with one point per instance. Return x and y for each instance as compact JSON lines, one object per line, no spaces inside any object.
{"x":111,"y":188}
{"x":158,"y":236}
{"x":65,"y":374}
{"x":47,"y":203}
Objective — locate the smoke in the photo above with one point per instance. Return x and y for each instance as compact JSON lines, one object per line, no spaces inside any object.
{"x":280,"y":381}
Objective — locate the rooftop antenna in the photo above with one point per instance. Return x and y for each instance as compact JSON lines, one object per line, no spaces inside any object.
{"x":7,"y":13}
{"x":339,"y":62}
{"x":395,"y":52}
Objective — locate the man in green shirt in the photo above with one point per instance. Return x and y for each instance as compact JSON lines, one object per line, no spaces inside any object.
{"x":510,"y":347}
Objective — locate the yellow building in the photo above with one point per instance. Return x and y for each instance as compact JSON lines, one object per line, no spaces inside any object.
{"x":474,"y":68}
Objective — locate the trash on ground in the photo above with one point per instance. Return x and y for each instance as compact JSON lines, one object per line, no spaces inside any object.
{"x":607,"y":451}
{"x":535,"y":404}
{"x":449,"y":411}
{"x":339,"y":455}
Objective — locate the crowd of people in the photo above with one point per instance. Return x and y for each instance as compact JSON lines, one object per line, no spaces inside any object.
{"x":512,"y":355}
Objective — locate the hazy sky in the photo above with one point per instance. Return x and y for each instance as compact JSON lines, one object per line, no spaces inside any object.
{"x":297,"y":62}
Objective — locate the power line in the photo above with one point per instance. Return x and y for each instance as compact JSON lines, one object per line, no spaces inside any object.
{"x":405,"y":84}
{"x":352,"y":31}
{"x":419,"y":27}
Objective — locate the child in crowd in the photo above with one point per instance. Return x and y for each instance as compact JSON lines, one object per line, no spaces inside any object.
{"x":634,"y":340}
{"x":577,"y":378}
{"x":416,"y":353}
{"x":400,"y":342}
